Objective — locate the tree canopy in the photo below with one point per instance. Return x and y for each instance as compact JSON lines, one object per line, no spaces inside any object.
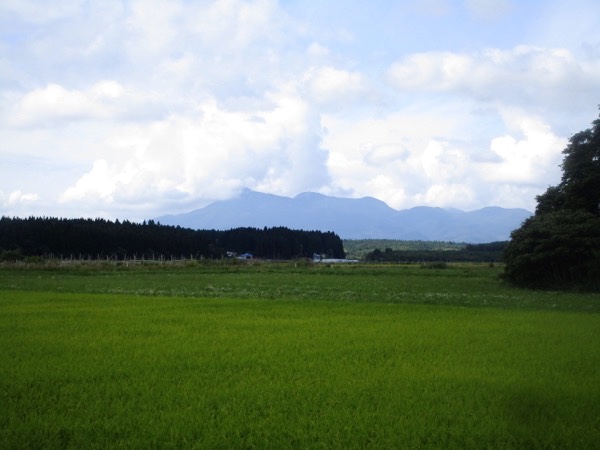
{"x":99,"y":239}
{"x":490,"y":252}
{"x":559,"y":246}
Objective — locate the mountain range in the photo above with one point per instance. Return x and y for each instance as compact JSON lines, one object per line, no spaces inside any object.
{"x":352,"y":218}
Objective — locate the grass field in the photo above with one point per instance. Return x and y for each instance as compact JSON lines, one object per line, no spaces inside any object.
{"x":293,"y":356}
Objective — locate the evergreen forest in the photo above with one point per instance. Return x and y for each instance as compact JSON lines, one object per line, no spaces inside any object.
{"x":103,"y":239}
{"x":490,"y":252}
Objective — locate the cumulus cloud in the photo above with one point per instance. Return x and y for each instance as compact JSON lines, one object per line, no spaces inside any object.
{"x":529,"y":160}
{"x":437,"y":175}
{"x":17,"y":198}
{"x":104,"y":100}
{"x":212,"y":155}
{"x":408,"y":160}
{"x":151,"y":26}
{"x":521,"y":75}
{"x":158,"y":107}
{"x":317,"y":51}
{"x":397,"y":158}
{"x":235,"y":24}
{"x":17,"y":203}
{"x":332,"y":86}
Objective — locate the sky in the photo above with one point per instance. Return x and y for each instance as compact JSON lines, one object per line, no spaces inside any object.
{"x":132,"y":109}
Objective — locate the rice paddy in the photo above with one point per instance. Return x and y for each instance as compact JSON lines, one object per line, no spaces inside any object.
{"x":293,"y":356}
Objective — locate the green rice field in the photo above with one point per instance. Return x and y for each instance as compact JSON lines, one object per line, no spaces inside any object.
{"x":293,"y":355}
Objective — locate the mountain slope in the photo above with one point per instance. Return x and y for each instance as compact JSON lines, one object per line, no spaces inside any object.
{"x":363,"y":218}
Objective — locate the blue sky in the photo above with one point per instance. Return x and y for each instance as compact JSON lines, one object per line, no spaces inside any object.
{"x":134,"y":109}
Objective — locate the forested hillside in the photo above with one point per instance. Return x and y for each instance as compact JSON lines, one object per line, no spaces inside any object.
{"x":360,"y":248}
{"x":490,"y":252}
{"x":101,"y":239}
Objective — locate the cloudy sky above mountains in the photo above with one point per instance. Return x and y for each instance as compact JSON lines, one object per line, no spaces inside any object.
{"x":134,"y":109}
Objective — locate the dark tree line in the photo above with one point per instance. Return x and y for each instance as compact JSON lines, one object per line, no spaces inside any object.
{"x":491,"y":252}
{"x":102,"y":239}
{"x":559,"y":247}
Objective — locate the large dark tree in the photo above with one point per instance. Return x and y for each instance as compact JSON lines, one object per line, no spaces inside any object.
{"x":559,"y":247}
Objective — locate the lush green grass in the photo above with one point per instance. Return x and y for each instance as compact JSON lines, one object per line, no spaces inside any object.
{"x":284,"y":356}
{"x":459,"y":285}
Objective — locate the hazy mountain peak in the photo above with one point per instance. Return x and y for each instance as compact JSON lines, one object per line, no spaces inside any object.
{"x":309,"y":195}
{"x":361,"y":218}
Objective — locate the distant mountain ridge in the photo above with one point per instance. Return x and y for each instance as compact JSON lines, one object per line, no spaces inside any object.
{"x":353,"y":218}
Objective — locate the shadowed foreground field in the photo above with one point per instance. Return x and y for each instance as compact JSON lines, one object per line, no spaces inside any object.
{"x":281,"y":356}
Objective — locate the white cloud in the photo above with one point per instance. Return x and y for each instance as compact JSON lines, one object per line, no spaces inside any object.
{"x":234,"y":24}
{"x":522,"y":75}
{"x":98,"y":183}
{"x":152,"y":106}
{"x":408,"y":160}
{"x":53,"y":102}
{"x":531,"y":160}
{"x":152,"y":26}
{"x":18,"y":203}
{"x":437,"y":174}
{"x":211,"y":155}
{"x":104,"y":100}
{"x":447,"y":195}
{"x":317,"y":51}
{"x":17,"y":197}
{"x":328,"y":85}
{"x":397,"y":158}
